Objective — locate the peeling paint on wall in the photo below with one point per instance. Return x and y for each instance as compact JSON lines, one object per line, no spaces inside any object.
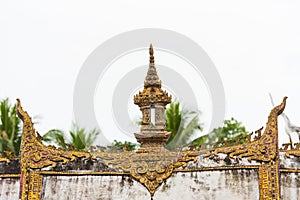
{"x":205,"y":185}
{"x":293,"y":162}
{"x":211,"y":185}
{"x":290,"y":185}
{"x":92,"y":187}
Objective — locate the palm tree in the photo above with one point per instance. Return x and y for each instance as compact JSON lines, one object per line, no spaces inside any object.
{"x":182,"y":124}
{"x":80,"y":139}
{"x":10,"y":129}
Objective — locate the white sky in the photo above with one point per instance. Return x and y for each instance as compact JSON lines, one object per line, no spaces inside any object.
{"x":255,"y":46}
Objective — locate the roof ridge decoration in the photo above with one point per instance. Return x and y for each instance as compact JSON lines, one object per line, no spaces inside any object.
{"x":152,"y":164}
{"x":141,"y":166}
{"x":265,"y":148}
{"x":149,"y":168}
{"x":35,"y":155}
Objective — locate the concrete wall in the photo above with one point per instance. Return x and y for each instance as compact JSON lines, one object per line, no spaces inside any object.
{"x":290,"y":186}
{"x":9,"y":188}
{"x":205,"y":185}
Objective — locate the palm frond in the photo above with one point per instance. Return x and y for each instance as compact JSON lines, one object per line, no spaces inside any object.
{"x":57,"y":136}
{"x":184,"y":136}
{"x":182,"y":123}
{"x":173,"y":119}
{"x":10,"y":128}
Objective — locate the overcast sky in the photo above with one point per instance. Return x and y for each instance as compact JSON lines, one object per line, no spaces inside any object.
{"x":255,"y":46}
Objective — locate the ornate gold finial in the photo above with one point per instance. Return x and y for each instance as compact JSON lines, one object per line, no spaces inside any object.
{"x":151,"y":52}
{"x":152,"y":102}
{"x":152,"y":79}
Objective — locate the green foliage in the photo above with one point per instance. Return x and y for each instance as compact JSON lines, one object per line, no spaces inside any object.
{"x":232,"y":132}
{"x":10,"y":129}
{"x":56,"y":136}
{"x":80,"y":139}
{"x":173,"y":120}
{"x":125,"y":146}
{"x":182,"y":124}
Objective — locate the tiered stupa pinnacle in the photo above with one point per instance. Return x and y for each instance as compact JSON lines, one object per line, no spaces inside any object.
{"x":152,"y":102}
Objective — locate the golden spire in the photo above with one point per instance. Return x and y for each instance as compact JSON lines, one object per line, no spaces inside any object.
{"x":151,"y":52}
{"x":152,"y":79}
{"x":152,"y":92}
{"x":152,"y":101}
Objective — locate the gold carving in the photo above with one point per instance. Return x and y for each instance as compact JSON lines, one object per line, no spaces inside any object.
{"x":4,"y":160}
{"x":152,"y":92}
{"x":35,"y":155}
{"x":82,"y":173}
{"x":7,"y":156}
{"x":152,"y":97}
{"x":269,"y":181}
{"x":151,"y":52}
{"x":146,"y":117}
{"x":35,"y":186}
{"x":9,"y":175}
{"x":265,"y":148}
{"x":291,"y":149}
{"x":217,"y":168}
{"x":151,"y":168}
{"x":290,"y":170}
{"x":287,"y":146}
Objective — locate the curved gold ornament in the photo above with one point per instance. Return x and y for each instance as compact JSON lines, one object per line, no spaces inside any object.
{"x":35,"y":155}
{"x":4,"y":160}
{"x":291,"y":149}
{"x":150,"y":168}
{"x":293,"y":152}
{"x":263,"y":149}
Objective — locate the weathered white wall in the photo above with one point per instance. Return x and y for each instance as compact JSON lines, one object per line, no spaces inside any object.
{"x":92,"y":187}
{"x":205,"y":185}
{"x":211,"y":185}
{"x":9,"y":188}
{"x":290,"y":186}
{"x":285,"y":162}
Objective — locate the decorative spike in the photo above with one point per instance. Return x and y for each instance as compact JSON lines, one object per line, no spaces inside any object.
{"x":151,"y":52}
{"x":152,"y":79}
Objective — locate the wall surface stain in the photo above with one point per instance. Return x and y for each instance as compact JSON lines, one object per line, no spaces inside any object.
{"x":205,"y":185}
{"x":290,"y":186}
{"x":9,"y":188}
